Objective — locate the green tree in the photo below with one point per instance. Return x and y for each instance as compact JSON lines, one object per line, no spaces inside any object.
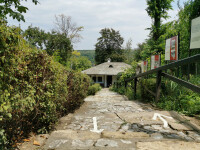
{"x":36,"y":37}
{"x":157,"y":9}
{"x":181,"y":26}
{"x":109,"y":45}
{"x":90,"y":54}
{"x":190,"y":11}
{"x":128,"y":51}
{"x":139,"y":52}
{"x":14,"y":9}
{"x":78,"y":62}
{"x":54,"y":43}
{"x":60,"y":44}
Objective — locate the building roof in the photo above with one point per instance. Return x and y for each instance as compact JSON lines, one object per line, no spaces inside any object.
{"x":107,"y":68}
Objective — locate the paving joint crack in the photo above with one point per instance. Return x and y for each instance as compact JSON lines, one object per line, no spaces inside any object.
{"x":119,"y":117}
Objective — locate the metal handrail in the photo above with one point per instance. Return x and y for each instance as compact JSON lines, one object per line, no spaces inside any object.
{"x":168,"y":66}
{"x":159,"y":73}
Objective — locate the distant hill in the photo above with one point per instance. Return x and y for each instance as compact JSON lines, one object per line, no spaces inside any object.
{"x":90,"y":54}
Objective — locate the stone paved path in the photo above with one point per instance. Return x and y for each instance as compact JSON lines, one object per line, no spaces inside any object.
{"x":126,"y":125}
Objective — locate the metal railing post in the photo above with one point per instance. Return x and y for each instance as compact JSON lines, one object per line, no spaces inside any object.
{"x":158,"y":85}
{"x":135,"y":87}
{"x":125,"y":84}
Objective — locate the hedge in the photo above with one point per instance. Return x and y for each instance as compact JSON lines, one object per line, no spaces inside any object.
{"x":34,"y":90}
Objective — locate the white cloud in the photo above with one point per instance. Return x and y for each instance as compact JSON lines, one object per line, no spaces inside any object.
{"x":128,"y":16}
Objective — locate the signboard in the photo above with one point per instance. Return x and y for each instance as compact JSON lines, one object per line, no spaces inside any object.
{"x":155,"y":61}
{"x":195,"y":34}
{"x":171,"y":48}
{"x":144,"y":66}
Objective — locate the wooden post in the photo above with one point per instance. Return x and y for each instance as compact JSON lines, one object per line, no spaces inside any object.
{"x":135,"y":87}
{"x":125,"y":84}
{"x":178,"y":53}
{"x":196,"y":68}
{"x":126,"y":87}
{"x":158,"y":86}
{"x":188,"y":71}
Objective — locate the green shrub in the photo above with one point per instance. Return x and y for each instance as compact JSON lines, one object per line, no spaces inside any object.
{"x":120,"y":86}
{"x":34,"y":90}
{"x":143,"y":94}
{"x":173,"y":96}
{"x":93,"y":89}
{"x":176,"y":97}
{"x":128,"y":91}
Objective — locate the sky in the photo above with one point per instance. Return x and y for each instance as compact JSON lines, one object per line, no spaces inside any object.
{"x":129,"y":17}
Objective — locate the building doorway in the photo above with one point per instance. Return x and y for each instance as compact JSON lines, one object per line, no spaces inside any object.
{"x":109,"y":81}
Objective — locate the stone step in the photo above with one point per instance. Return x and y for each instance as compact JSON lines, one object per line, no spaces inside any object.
{"x":70,"y":139}
{"x":127,"y":125}
{"x":124,"y":135}
{"x":168,"y":145}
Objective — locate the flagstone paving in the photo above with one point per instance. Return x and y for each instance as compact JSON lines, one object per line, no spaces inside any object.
{"x":126,"y":125}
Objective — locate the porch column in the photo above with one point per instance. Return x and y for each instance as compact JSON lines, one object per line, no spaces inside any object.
{"x":105,"y":85}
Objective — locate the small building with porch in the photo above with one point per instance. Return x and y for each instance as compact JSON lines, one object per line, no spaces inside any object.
{"x":106,"y":73}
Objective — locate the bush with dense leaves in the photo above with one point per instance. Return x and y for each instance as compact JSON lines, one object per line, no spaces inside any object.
{"x":173,"y":96}
{"x":119,"y":86}
{"x":176,"y":97}
{"x":34,"y":90}
{"x":94,"y":88}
